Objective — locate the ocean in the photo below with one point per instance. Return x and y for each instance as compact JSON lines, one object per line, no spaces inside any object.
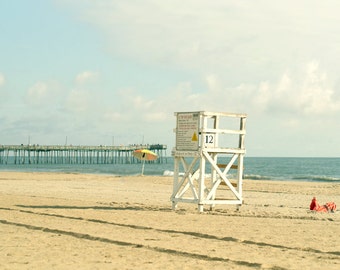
{"x":255,"y":168}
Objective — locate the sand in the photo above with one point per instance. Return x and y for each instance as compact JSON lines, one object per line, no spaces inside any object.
{"x":79,"y":221}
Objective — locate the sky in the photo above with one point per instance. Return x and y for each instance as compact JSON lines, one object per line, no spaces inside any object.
{"x":109,"y":72}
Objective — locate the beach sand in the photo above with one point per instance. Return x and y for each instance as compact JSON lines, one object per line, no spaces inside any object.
{"x":79,"y":221}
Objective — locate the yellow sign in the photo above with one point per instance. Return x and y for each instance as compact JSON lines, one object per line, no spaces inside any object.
{"x":194,"y":137}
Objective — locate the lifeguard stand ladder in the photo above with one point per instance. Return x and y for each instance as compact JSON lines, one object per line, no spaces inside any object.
{"x":198,"y":139}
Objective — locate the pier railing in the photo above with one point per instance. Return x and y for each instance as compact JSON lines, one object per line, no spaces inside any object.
{"x":70,"y":154}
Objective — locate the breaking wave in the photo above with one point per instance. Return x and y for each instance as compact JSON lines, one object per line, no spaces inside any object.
{"x":317,"y":178}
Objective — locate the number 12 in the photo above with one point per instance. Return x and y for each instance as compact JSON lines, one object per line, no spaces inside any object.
{"x":209,"y":139}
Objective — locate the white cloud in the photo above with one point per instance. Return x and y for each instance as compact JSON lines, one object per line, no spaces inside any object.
{"x":155,"y":117}
{"x":238,"y":56}
{"x":135,"y":107}
{"x":237,"y":49}
{"x":290,"y":123}
{"x":79,"y":101}
{"x":311,"y":95}
{"x":86,"y":76}
{"x":2,"y":79}
{"x":112,"y":116}
{"x":307,"y":92}
{"x":316,"y":94}
{"x":230,"y":38}
{"x":160,"y":32}
{"x":44,"y":95}
{"x":4,"y":94}
{"x":37,"y":93}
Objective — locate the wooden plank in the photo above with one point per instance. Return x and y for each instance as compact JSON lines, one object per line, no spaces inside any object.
{"x":224,"y":131}
{"x":224,"y":184}
{"x":222,"y":166}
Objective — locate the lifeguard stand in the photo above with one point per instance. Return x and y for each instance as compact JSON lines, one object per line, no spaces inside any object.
{"x":199,"y":139}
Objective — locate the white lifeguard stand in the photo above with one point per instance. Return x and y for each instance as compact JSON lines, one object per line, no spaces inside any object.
{"x":199,"y":139}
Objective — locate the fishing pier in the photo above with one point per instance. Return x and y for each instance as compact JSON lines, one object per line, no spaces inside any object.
{"x":68,"y":154}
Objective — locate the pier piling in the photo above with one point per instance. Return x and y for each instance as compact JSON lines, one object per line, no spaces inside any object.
{"x":68,"y":154}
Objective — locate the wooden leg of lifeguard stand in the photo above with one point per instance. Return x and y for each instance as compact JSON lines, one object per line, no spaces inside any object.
{"x":175,"y":184}
{"x":201,"y":186}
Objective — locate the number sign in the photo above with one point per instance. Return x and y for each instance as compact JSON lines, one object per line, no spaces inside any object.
{"x":209,"y":140}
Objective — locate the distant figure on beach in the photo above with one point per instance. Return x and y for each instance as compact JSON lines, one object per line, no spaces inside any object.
{"x":328,"y":207}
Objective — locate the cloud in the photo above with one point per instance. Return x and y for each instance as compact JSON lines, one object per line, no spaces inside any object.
{"x":81,"y":98}
{"x":237,"y":50}
{"x":290,"y":123}
{"x":85,"y":77}
{"x":237,"y":56}
{"x":306,"y":91}
{"x":2,"y":79}
{"x":79,"y":101}
{"x":44,"y":95}
{"x":112,"y":116}
{"x":4,"y":94}
{"x":313,"y":94}
{"x":231,"y":38}
{"x":156,"y":32}
{"x":316,"y":95}
{"x":139,"y":107}
{"x":37,"y":93}
{"x":141,"y":104}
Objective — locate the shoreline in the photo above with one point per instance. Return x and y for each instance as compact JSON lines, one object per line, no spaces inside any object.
{"x":315,"y":179}
{"x":87,"y":221}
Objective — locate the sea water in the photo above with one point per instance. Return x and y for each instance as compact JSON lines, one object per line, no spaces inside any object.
{"x":255,"y":168}
{"x":293,"y":169}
